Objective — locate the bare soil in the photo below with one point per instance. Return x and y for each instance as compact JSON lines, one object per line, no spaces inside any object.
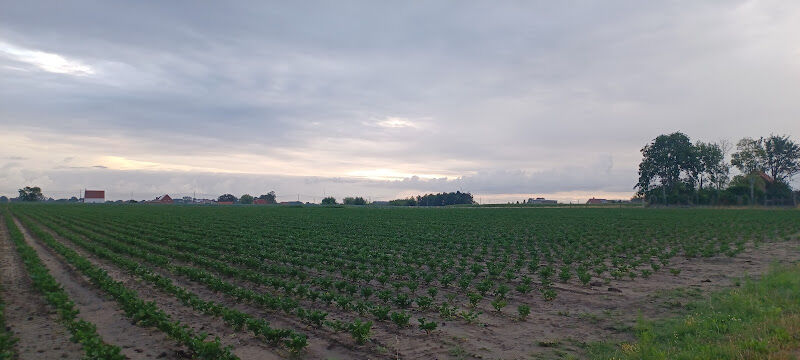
{"x":33,"y":322}
{"x":112,"y":325}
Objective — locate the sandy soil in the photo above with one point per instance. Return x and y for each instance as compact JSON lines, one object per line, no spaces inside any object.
{"x":112,"y":325}
{"x":28,"y":316}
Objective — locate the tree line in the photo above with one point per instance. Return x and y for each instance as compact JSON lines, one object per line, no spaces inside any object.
{"x":440,"y":199}
{"x":676,"y":171}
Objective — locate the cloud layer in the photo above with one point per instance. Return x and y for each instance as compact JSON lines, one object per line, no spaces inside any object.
{"x":498,"y":99}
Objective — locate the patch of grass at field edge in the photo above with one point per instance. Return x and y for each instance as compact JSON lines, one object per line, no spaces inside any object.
{"x":759,"y":320}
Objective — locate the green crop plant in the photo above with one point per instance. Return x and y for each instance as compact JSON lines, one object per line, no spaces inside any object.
{"x":427,"y":326}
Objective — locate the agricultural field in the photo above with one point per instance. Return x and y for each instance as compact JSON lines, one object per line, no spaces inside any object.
{"x":247,"y":282}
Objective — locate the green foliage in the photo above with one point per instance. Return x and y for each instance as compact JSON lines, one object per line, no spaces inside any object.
{"x":427,"y":326}
{"x":227,"y":198}
{"x":246,"y":199}
{"x":523,"y":311}
{"x":401,"y":318}
{"x":31,"y":194}
{"x":7,"y":339}
{"x":269,"y":197}
{"x":354,"y":201}
{"x":360,"y":330}
{"x":330,"y":200}
{"x":498,"y":304}
{"x":755,"y":321}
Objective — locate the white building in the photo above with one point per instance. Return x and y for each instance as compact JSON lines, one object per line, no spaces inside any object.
{"x":94,"y":196}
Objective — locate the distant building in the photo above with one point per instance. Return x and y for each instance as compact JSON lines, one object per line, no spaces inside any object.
{"x":291,"y":203}
{"x":164,"y":199}
{"x":260,"y":202}
{"x":94,"y":196}
{"x":541,"y":200}
{"x":224,"y":202}
{"x":597,"y":201}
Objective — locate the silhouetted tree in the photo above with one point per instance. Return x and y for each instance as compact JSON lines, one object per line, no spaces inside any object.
{"x":354,"y":201}
{"x":227,"y":197}
{"x":269,"y":197}
{"x":31,"y":194}
{"x":330,"y":200}
{"x":246,"y":199}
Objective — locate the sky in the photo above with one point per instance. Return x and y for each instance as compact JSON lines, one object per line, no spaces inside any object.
{"x":506,"y":100}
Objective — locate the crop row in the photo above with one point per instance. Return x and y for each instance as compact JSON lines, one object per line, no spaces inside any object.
{"x":82,"y":331}
{"x":160,"y":256}
{"x":139,"y":311}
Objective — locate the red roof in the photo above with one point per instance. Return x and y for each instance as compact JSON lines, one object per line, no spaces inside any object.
{"x":225,"y":202}
{"x":162,"y":200}
{"x":94,"y":194}
{"x":260,"y":201}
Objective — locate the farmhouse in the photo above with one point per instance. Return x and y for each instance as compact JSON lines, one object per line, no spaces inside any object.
{"x":94,"y":196}
{"x":541,"y":200}
{"x":164,"y":199}
{"x":260,"y":202}
{"x":597,"y":201}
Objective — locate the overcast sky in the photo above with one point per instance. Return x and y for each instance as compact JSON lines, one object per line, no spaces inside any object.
{"x":382,"y":99}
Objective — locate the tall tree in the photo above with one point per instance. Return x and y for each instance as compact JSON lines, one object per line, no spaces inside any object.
{"x":330,"y":200}
{"x":269,"y":197}
{"x":31,"y":194}
{"x":246,"y":199}
{"x":227,"y":198}
{"x":750,"y":159}
{"x":712,"y":166}
{"x":781,"y":157}
{"x":667,"y":161}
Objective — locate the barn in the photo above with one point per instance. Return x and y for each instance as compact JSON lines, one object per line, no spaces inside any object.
{"x":164,"y":199}
{"x":94,"y":196}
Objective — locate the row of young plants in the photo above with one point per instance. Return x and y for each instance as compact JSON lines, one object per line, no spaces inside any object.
{"x":348,"y":289}
{"x":143,"y":313}
{"x":82,"y":332}
{"x":345,"y":302}
{"x":358,"y":328}
{"x":110,"y":250}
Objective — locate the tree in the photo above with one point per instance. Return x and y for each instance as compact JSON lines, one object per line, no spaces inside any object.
{"x":3,"y":199}
{"x":670,"y":163}
{"x":330,"y":200}
{"x":227,"y":198}
{"x":31,"y":194}
{"x":246,"y":199}
{"x":710,"y":160}
{"x":269,"y":197}
{"x":750,"y":159}
{"x":781,"y":157}
{"x":354,"y":201}
{"x":403,"y":202}
{"x":444,"y":199}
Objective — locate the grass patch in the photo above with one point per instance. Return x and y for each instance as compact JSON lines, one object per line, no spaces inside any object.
{"x":759,"y":320}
